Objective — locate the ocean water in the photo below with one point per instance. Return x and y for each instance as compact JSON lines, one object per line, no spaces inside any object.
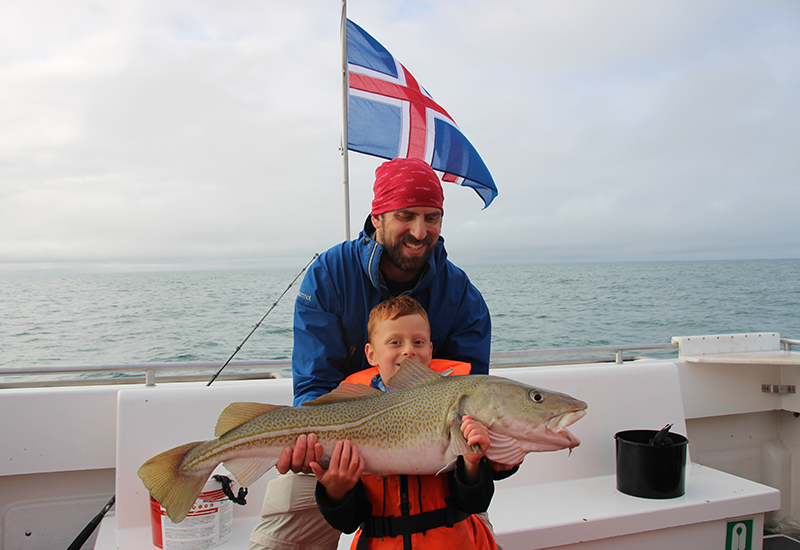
{"x":128,"y":318}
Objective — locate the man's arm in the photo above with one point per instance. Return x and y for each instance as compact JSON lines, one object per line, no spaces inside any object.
{"x":319,"y":349}
{"x":470,"y":337}
{"x":319,"y":346}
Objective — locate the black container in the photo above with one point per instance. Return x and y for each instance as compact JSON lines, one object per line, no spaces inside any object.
{"x":650,"y":471}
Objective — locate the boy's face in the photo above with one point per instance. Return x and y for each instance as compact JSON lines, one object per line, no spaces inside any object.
{"x":394,"y":340}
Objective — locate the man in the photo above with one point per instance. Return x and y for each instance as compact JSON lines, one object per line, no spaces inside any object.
{"x":399,"y":251}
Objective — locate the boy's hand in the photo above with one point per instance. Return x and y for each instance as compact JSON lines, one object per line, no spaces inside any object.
{"x":344,"y":471}
{"x":298,"y":459}
{"x":476,"y":434}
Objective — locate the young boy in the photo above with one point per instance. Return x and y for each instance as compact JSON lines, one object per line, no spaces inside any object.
{"x":402,"y":511}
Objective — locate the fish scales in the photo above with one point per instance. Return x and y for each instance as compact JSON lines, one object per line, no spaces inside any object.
{"x":378,"y":422}
{"x":414,"y":428}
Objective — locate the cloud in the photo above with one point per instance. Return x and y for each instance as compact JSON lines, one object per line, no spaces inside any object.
{"x":186,"y":135}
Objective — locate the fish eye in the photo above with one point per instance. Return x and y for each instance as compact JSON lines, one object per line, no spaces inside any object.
{"x":536,"y":396}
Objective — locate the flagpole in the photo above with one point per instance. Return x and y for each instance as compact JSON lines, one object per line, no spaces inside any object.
{"x":345,"y":94}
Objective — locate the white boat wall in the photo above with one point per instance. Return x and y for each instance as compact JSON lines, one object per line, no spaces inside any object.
{"x":67,"y":449}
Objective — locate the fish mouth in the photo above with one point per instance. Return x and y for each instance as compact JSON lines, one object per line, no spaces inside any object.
{"x":558,"y":426}
{"x":511,"y":442}
{"x":553,"y":435}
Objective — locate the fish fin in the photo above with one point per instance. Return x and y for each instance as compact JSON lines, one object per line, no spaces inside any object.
{"x":504,"y":449}
{"x":346,"y":391}
{"x":411,"y":373}
{"x":237,"y":414}
{"x":248,"y":470}
{"x":175,"y":489}
{"x":449,"y":466}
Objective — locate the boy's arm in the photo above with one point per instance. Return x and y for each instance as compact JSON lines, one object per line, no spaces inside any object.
{"x":472,"y":499}
{"x":346,"y":515}
{"x":471,"y":485}
{"x":339,"y":493}
{"x":476,"y":434}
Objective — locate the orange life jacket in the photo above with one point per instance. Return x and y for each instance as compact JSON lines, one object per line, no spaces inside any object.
{"x":442,"y":366}
{"x":427,"y":498}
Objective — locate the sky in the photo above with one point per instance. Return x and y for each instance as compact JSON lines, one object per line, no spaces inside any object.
{"x":198,"y":134}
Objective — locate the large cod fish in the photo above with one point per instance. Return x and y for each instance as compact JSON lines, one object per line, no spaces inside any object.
{"x":415,"y":428}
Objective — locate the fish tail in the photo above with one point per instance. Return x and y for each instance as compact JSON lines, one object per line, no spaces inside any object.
{"x":173,"y":488}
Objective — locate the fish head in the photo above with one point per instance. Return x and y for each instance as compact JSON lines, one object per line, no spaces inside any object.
{"x":522,"y":419}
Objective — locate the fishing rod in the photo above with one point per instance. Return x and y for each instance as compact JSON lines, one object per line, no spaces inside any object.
{"x":261,"y":321}
{"x":92,"y":525}
{"x":89,"y":529}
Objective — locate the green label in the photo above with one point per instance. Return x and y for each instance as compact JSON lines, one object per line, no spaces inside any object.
{"x":740,"y":535}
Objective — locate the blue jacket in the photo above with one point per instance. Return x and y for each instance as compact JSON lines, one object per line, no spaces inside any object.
{"x":341,"y":288}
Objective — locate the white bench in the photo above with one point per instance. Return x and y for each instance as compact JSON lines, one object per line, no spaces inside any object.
{"x":555,"y":500}
{"x":151,"y":420}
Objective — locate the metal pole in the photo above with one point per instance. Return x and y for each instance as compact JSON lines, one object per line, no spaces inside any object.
{"x":345,"y":99}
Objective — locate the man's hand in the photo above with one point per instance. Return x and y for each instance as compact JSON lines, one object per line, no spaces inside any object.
{"x":344,"y":471}
{"x":298,"y":459}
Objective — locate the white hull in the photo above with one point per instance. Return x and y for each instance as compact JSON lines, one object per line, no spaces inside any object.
{"x":67,"y":450}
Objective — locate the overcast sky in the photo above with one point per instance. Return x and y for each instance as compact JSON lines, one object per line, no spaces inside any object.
{"x":186,"y":134}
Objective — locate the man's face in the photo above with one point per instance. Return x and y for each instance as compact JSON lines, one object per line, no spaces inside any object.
{"x":408,"y":235}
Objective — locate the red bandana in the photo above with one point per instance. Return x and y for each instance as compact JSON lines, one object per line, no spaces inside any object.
{"x":406,"y":183}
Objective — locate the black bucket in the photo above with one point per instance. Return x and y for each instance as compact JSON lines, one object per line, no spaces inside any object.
{"x":651,"y":471}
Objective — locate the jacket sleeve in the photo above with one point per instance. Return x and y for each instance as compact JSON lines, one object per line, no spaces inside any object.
{"x":472,"y":499}
{"x":470,"y":338}
{"x":504,"y":474}
{"x":319,"y":349}
{"x":348,"y":515}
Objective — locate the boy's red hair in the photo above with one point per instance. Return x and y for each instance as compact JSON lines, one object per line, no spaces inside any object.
{"x":394,"y":308}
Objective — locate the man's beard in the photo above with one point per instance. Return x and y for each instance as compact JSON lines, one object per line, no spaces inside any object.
{"x":395,"y":254}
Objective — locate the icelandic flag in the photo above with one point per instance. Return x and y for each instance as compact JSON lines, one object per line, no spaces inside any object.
{"x":391,"y":116}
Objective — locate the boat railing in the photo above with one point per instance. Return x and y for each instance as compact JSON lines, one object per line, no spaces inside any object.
{"x":141,"y":373}
{"x":592,"y":354}
{"x":789,"y":342}
{"x":146,"y":373}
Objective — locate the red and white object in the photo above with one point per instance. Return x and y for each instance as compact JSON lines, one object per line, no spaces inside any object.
{"x":208,"y":524}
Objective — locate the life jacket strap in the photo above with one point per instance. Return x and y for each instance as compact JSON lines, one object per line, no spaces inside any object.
{"x":394,"y":526}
